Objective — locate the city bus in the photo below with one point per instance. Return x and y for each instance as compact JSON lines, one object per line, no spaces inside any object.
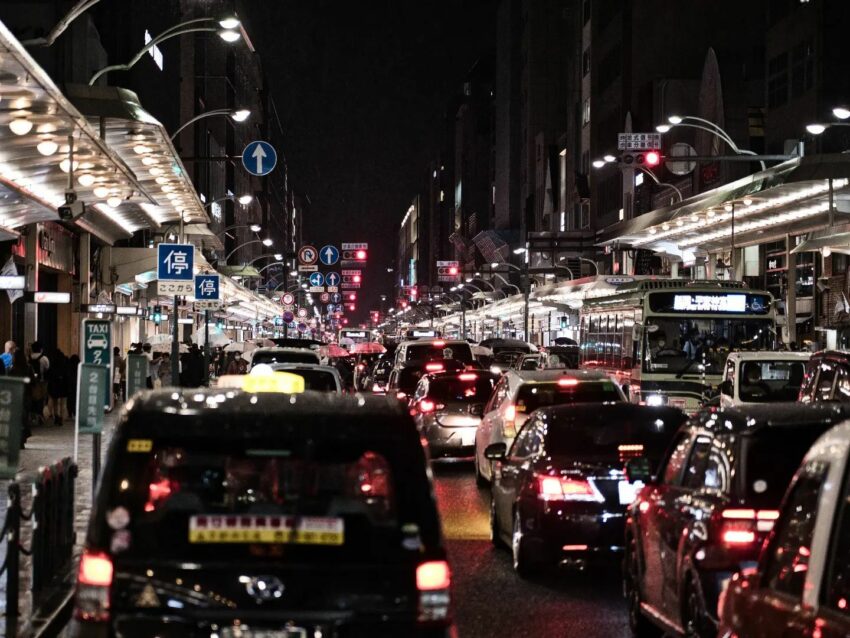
{"x":666,"y":341}
{"x":349,"y":336}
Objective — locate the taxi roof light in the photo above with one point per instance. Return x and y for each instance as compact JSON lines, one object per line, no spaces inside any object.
{"x":264,"y":380}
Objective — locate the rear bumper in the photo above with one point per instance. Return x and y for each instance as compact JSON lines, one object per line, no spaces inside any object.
{"x":450,"y":441}
{"x":574,"y":539}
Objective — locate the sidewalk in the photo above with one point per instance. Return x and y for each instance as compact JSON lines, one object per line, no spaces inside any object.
{"x":47,"y":445}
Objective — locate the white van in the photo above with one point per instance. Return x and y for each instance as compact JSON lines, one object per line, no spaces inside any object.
{"x":762,"y":377}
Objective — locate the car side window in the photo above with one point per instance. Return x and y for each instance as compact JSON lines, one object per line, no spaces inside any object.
{"x":842,"y":387}
{"x":836,"y":589}
{"x":825,"y":381}
{"x":676,"y":459}
{"x":788,"y":554}
{"x":421,"y":390}
{"x":730,"y":372}
{"x":493,"y":403}
{"x":522,"y":445}
{"x":695,"y":469}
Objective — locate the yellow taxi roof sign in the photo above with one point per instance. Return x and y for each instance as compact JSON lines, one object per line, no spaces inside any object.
{"x":264,"y":380}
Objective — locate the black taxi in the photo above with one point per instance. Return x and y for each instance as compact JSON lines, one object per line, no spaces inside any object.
{"x":244,"y":512}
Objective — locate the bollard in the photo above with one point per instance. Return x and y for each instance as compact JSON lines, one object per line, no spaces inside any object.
{"x":13,"y":564}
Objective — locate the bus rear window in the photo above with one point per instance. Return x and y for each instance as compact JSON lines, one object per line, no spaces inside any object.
{"x":439,"y":350}
{"x":532,"y":396}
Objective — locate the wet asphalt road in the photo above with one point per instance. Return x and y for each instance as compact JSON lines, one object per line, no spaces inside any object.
{"x":491,"y":600}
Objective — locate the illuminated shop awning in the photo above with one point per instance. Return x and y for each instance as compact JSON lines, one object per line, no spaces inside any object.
{"x":144,"y":144}
{"x":791,"y":198}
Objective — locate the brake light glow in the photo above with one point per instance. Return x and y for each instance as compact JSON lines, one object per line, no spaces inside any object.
{"x":738,"y":536}
{"x":574,"y":548}
{"x":425,"y":405}
{"x":377,"y":388}
{"x":467,"y":376}
{"x":400,"y":395}
{"x":439,"y":343}
{"x":767,"y":515}
{"x":559,"y":488}
{"x":158,"y":491}
{"x":740,"y":514}
{"x":95,"y":569}
{"x":433,"y":575}
{"x":567,"y":383}
{"x":510,"y":412}
{"x":434,"y":367}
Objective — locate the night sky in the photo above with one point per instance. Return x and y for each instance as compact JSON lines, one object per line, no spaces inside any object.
{"x":362,"y":89}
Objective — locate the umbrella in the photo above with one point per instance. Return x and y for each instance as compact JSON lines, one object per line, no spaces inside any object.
{"x":159,"y":338}
{"x":565,"y":341}
{"x":346,"y":341}
{"x":332,"y":351}
{"x":263,"y":343}
{"x":163,"y":347}
{"x":481,"y":351}
{"x":368,"y":347}
{"x":236,"y":346}
{"x":508,"y":344}
{"x":216,"y":338}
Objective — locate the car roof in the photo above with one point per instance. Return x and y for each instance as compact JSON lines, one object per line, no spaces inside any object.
{"x":234,"y":412}
{"x":526,"y":376}
{"x":614,"y":411}
{"x":449,"y":374}
{"x":770,"y":356}
{"x":834,"y":355}
{"x":833,"y":445}
{"x":295,"y":365}
{"x":276,"y":349}
{"x":431,"y":340}
{"x":749,"y":418}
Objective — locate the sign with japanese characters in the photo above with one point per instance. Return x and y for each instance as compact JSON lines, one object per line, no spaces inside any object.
{"x":176,"y":269}
{"x":96,"y":348}
{"x":137,"y":373}
{"x":92,"y":382}
{"x":11,"y":424}
{"x":639,"y":141}
{"x":207,"y":291}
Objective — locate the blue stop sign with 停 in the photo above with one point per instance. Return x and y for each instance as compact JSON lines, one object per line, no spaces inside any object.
{"x":207,"y":287}
{"x":175,"y":262}
{"x":259,"y":158}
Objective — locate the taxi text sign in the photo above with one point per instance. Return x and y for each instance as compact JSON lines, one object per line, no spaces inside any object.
{"x":137,"y":373}
{"x":92,"y":381}
{"x":11,"y":424}
{"x":96,"y":349}
{"x":175,"y":268}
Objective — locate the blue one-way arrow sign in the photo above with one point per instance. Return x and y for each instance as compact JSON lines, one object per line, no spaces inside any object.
{"x":317,"y":279}
{"x":259,"y":158}
{"x":329,"y":255}
{"x":332,"y":278}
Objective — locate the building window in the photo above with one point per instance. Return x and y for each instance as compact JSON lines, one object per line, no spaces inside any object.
{"x":585,"y":62}
{"x":802,"y":68}
{"x":777,"y":81}
{"x":585,"y":113}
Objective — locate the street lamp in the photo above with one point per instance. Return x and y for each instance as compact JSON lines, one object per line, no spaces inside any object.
{"x":254,"y":228}
{"x":225,"y":30}
{"x":268,"y":241}
{"x":709,"y":127}
{"x":242,"y":199}
{"x":237,"y":115}
{"x":526,"y":287}
{"x":818,"y":128}
{"x":609,"y":159}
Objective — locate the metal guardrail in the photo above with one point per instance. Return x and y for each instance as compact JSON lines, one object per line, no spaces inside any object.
{"x":52,"y":542}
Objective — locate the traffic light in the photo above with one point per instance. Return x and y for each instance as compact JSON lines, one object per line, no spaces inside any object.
{"x":453,"y":270}
{"x":351,"y":296}
{"x":157,"y":314}
{"x":565,"y":322}
{"x":356,"y":279}
{"x":648,"y":159}
{"x":360,"y":255}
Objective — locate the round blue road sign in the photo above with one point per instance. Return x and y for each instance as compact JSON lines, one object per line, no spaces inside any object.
{"x":317,"y":279}
{"x":329,"y":255}
{"x":259,"y":158}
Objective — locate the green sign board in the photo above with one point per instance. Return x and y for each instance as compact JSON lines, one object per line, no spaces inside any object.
{"x":137,"y":373}
{"x":96,"y":348}
{"x":11,"y":424}
{"x":92,"y":383}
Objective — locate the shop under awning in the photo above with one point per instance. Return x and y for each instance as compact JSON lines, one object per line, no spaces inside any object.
{"x":144,"y":144}
{"x":836,"y":239}
{"x":791,"y":198}
{"x":243,"y":271}
{"x":37,"y":125}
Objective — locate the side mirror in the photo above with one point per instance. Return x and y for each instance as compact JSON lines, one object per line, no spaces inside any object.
{"x":476,"y":409}
{"x":496,"y":451}
{"x":638,"y":469}
{"x":726,"y":388}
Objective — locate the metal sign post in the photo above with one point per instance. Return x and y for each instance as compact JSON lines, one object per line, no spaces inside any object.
{"x":207,"y":295}
{"x":175,"y":276}
{"x":11,"y":424}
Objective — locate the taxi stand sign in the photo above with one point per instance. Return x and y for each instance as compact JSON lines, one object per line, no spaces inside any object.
{"x":175,"y":269}
{"x":92,"y":380}
{"x":137,"y":373}
{"x":11,"y":424}
{"x":96,"y":349}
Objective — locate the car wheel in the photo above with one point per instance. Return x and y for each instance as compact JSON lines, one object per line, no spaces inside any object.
{"x":524,"y":566}
{"x":694,"y":619}
{"x":639,"y":624}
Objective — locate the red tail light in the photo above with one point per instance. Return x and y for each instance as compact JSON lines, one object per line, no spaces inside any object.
{"x":433,"y":581}
{"x":467,"y":376}
{"x":738,"y":536}
{"x":94,"y":581}
{"x":434,"y":367}
{"x":426,"y":406}
{"x":439,"y":343}
{"x":740,"y":526}
{"x":159,"y":491}
{"x":561,"y":488}
{"x":566,"y":383}
{"x":400,"y":395}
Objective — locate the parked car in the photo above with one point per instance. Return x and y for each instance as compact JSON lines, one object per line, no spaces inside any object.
{"x":706,"y":512}
{"x":518,"y":394}
{"x":559,"y":494}
{"x":208,"y":520}
{"x":827,"y":378}
{"x":762,"y":377}
{"x":316,"y":378}
{"x":447,"y":408}
{"x":801,"y":586}
{"x":284,"y":355}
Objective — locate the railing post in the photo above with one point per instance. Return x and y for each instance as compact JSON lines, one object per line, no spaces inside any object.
{"x":13,"y":564}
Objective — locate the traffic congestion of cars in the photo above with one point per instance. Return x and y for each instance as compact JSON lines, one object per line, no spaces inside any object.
{"x":298,"y":501}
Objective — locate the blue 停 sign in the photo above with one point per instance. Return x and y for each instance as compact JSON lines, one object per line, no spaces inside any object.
{"x":207,"y":287}
{"x":175,"y":262}
{"x":259,"y":158}
{"x":317,"y":279}
{"x":332,"y":278}
{"x":329,"y":255}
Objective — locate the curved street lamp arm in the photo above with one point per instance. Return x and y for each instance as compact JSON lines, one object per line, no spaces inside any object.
{"x":212,"y":113}
{"x":655,"y":179}
{"x":242,"y":245}
{"x":76,"y":11}
{"x":592,"y":263}
{"x":507,"y":283}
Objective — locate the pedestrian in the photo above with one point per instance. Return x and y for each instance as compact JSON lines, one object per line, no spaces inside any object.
{"x":164,"y":371}
{"x":73,"y":371}
{"x":21,"y":368}
{"x":57,"y":386}
{"x":8,"y":356}
{"x":153,"y":367}
{"x":40,"y":368}
{"x":118,"y":370}
{"x":146,"y":350}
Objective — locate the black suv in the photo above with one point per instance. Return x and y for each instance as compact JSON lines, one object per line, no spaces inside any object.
{"x":827,"y":378}
{"x":278,"y":515}
{"x":710,"y":507}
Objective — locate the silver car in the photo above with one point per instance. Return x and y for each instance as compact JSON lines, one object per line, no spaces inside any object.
{"x":519,"y":393}
{"x":316,"y":378}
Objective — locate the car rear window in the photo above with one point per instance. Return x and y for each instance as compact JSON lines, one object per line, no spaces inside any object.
{"x":771,"y":456}
{"x":538,"y":395}
{"x":316,"y":380}
{"x":284,"y":357}
{"x":439,"y":350}
{"x":253,"y":500}
{"x":465,"y":388}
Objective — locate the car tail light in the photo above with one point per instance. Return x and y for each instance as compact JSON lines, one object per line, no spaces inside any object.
{"x":361,"y":366}
{"x":629,"y":451}
{"x":433,"y":581}
{"x":159,"y":491}
{"x":561,"y":488}
{"x":439,"y":343}
{"x":434,"y":367}
{"x":567,"y":383}
{"x":467,"y":376}
{"x":377,"y":388}
{"x":740,"y":526}
{"x":426,"y":405}
{"x":401,"y":396}
{"x":94,"y":581}
{"x":510,"y":420}
{"x":373,"y":476}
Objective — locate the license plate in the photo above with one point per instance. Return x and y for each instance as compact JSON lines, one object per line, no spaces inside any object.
{"x":305,"y":530}
{"x":467,"y":438}
{"x":247,"y":632}
{"x":628,"y":491}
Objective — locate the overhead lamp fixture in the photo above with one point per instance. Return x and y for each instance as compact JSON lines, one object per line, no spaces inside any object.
{"x":268,"y":241}
{"x":114,"y":202}
{"x":229,"y":36}
{"x":20,"y":126}
{"x":663,"y":128}
{"x":728,"y":208}
{"x":278,"y":256}
{"x":155,"y":171}
{"x":494,"y":264}
{"x":609,"y":158}
{"x":748,"y":201}
{"x":229,"y":22}
{"x":519,"y":251}
{"x":841,"y":113}
{"x":815,"y":129}
{"x":86,"y":179}
{"x":293,"y":273}
{"x":675,"y":119}
{"x":65,"y":165}
{"x":47,"y":147}
{"x":240,"y":115}
{"x":255,"y":228}
{"x":245,"y":199}
{"x":101,"y":192}
{"x":598,"y":163}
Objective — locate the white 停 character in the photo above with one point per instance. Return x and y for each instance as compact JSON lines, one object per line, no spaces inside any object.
{"x":177,"y":261}
{"x":207,"y":288}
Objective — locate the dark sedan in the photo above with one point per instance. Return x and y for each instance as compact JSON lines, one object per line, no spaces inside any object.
{"x":559,"y":496}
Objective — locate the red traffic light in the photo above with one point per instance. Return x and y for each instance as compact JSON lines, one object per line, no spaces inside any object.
{"x":351,"y":307}
{"x":360,"y":255}
{"x":652,"y":158}
{"x":352,"y":296}
{"x":453,"y":270}
{"x":356,"y":279}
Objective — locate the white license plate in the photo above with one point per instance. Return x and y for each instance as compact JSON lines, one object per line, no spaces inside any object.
{"x":628,"y":491}
{"x":247,"y":632}
{"x":467,"y":438}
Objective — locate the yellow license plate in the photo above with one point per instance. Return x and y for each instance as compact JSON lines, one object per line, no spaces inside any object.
{"x":306,"y":530}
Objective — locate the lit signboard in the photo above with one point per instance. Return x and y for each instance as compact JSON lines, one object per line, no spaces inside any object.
{"x":710,"y":303}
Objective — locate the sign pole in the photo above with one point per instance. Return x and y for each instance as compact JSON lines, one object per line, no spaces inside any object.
{"x":207,"y":346}
{"x":175,"y":345}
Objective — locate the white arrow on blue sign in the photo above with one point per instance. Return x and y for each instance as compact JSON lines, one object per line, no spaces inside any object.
{"x":332,"y":278}
{"x":207,"y":287}
{"x":259,"y":158}
{"x":336,"y":297}
{"x":317,"y":279}
{"x":329,"y":255}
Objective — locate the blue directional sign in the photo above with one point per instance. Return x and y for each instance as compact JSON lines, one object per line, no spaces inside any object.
{"x":336,"y":297}
{"x":207,"y":287}
{"x":259,"y":158}
{"x":175,"y":262}
{"x":332,"y":278}
{"x":317,"y":279}
{"x":329,"y":255}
